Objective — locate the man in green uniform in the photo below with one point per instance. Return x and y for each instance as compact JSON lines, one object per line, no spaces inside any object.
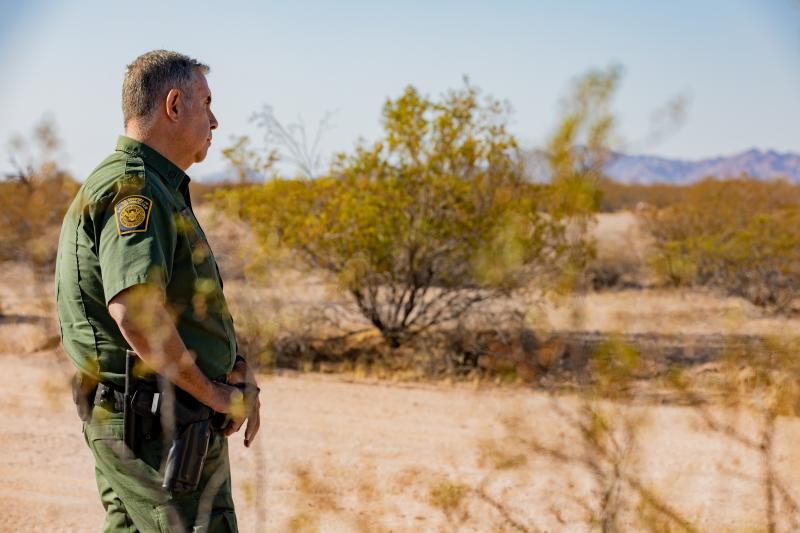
{"x":134,"y":272}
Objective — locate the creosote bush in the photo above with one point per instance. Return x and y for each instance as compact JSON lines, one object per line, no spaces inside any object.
{"x":736,"y":235}
{"x":421,"y":225}
{"x":436,"y":216}
{"x":34,"y":199}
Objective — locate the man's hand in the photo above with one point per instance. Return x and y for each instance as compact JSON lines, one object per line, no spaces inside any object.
{"x":242,"y":375}
{"x":226,"y":399}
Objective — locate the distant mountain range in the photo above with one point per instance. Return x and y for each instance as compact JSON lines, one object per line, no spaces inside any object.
{"x":644,"y":169}
{"x":760,"y":164}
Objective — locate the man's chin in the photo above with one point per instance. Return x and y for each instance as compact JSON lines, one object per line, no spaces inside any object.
{"x":201,"y":155}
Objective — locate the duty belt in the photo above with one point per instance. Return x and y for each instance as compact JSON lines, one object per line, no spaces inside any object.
{"x":109,"y":397}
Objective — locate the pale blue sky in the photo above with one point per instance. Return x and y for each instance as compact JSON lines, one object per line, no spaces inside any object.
{"x":738,"y":61}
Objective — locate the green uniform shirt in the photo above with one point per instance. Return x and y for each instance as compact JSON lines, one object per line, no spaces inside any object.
{"x":132,"y":223}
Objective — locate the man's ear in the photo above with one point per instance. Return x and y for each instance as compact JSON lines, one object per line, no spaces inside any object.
{"x":173,"y":104}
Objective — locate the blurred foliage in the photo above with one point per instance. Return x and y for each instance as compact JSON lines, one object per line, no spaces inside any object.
{"x":206,"y":191}
{"x":34,"y":198}
{"x":616,"y":196}
{"x":616,"y":364}
{"x":436,"y":216}
{"x":737,"y":235}
{"x":246,"y":162}
{"x":578,"y":150}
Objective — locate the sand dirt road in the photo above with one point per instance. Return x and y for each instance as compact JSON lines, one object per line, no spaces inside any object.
{"x":346,"y":456}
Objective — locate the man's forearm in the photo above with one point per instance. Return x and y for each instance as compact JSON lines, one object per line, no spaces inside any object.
{"x":152,"y":334}
{"x":169,"y":357}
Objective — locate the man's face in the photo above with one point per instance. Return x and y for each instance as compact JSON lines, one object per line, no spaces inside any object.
{"x":199,"y":120}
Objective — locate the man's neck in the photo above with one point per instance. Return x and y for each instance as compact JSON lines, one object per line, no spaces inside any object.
{"x":160,"y":143}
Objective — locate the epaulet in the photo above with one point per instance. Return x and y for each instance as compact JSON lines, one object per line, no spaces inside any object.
{"x":112,"y":175}
{"x":135,"y":176}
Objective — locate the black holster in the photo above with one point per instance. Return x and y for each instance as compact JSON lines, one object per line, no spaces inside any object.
{"x":186,"y":457}
{"x":185,"y":424}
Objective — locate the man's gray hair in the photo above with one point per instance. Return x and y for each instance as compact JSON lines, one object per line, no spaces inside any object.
{"x":151,"y":76}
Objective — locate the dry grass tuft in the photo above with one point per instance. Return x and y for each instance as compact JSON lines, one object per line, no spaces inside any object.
{"x":450,"y":497}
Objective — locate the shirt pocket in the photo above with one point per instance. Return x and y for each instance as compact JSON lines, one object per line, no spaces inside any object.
{"x":190,"y":227}
{"x":207,"y":283}
{"x":202,"y":258}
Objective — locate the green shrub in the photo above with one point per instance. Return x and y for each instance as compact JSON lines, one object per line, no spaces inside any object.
{"x":33,"y":200}
{"x":737,"y":235}
{"x":426,"y":222}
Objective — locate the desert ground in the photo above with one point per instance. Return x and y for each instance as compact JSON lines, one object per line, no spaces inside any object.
{"x":345,"y":452}
{"x":370,"y":456}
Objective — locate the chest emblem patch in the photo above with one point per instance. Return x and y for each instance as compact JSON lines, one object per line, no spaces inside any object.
{"x":132,"y":214}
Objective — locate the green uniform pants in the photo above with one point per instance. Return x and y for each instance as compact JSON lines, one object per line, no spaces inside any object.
{"x":130,"y":488}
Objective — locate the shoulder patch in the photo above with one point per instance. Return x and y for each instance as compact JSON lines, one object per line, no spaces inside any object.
{"x":132,"y":214}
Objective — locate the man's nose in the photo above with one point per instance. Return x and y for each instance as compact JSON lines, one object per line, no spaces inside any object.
{"x":214,"y":123}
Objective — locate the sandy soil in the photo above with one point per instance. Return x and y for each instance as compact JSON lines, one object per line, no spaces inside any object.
{"x":346,"y":454}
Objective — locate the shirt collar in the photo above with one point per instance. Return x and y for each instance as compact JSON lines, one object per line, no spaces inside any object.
{"x":165,"y":168}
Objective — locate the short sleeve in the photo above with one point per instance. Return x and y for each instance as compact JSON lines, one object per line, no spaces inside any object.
{"x":138,"y":236}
